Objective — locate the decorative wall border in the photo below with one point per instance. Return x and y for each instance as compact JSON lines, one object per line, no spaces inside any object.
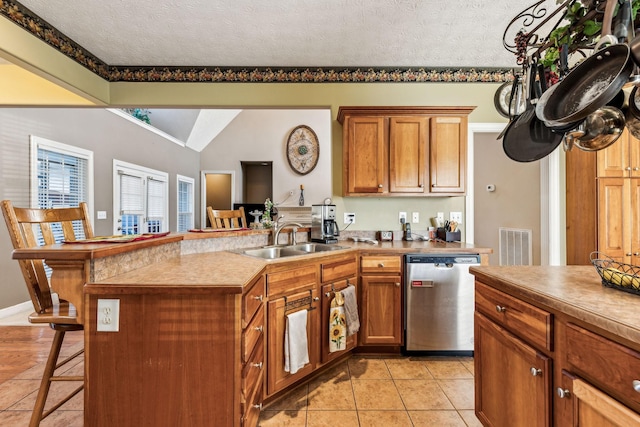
{"x":29,"y":21}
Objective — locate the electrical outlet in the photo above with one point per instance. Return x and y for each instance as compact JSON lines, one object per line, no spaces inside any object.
{"x":440,"y":216}
{"x":415,"y":217}
{"x":102,"y":214}
{"x":402,"y":217}
{"x":455,"y":216}
{"x":108,"y":315}
{"x":349,"y":218}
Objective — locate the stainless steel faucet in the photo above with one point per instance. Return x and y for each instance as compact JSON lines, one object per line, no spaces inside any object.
{"x":287,"y":224}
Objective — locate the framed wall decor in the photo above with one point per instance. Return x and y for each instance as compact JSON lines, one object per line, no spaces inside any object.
{"x":303,"y":149}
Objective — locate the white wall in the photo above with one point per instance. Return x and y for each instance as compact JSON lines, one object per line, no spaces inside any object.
{"x":261,"y":135}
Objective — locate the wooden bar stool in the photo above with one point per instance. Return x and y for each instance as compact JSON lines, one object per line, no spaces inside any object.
{"x":227,"y":218}
{"x":61,"y":317}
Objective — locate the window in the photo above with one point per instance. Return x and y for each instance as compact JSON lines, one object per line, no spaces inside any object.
{"x":185,"y":203}
{"x":140,"y":199}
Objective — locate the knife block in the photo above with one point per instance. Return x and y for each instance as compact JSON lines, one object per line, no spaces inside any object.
{"x":448,"y":236}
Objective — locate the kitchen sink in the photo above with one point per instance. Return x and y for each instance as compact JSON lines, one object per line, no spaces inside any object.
{"x":315,"y":247}
{"x":274,"y":252}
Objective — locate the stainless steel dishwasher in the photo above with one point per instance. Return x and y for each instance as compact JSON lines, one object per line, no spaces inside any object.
{"x":439,"y":303}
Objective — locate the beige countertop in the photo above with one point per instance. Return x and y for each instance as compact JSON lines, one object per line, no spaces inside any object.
{"x":574,"y":290}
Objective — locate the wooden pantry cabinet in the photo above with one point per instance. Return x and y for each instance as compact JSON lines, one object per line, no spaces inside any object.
{"x":404,"y":151}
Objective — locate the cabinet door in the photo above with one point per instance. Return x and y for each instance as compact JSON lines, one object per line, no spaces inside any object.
{"x":613,"y":218}
{"x":327,"y":295}
{"x":613,"y":161}
{"x":447,"y":144}
{"x":513,"y":380}
{"x":594,"y":408}
{"x":634,"y":219}
{"x":381,"y":321}
{"x":277,"y":378}
{"x":408,"y":154}
{"x":367,"y":153}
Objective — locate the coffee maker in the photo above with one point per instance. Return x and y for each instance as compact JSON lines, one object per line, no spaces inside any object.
{"x":324,"y":228}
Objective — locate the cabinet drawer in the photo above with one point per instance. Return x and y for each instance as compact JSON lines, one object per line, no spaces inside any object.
{"x":338,"y":269}
{"x":251,"y":407}
{"x":291,"y":281}
{"x":380,"y":264}
{"x":252,"y":300}
{"x":532,"y":324}
{"x":252,"y":334}
{"x":610,"y":366}
{"x":252,"y":370}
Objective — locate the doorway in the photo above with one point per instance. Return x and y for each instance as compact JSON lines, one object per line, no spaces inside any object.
{"x":257,"y":182}
{"x":217,"y":192}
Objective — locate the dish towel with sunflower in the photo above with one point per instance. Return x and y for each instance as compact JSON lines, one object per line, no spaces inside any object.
{"x":296,"y":350}
{"x":337,"y":324}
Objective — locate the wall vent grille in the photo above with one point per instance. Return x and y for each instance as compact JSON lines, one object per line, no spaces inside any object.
{"x":515,"y":246}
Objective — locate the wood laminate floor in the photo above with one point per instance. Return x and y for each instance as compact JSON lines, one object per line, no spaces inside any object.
{"x":363,"y":391}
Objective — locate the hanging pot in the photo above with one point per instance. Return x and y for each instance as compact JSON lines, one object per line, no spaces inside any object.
{"x":591,"y":84}
{"x":602,"y":128}
{"x":632,"y":113}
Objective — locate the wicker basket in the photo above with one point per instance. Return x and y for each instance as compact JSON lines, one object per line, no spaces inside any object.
{"x":614,"y":274}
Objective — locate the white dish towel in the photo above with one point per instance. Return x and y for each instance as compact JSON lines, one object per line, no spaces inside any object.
{"x":296,"y":350}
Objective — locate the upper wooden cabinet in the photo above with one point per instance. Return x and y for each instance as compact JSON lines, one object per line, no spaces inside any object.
{"x":621,"y":159}
{"x":404,"y":151}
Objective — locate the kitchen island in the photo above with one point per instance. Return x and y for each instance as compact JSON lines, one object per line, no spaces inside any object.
{"x":553,"y":346}
{"x":190,"y":346}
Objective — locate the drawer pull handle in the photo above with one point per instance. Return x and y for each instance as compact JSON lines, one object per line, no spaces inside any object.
{"x":500,"y":309}
{"x":535,"y":371}
{"x":563,"y":393}
{"x":258,"y":406}
{"x":259,"y":298}
{"x":259,"y":328}
{"x":636,"y":385}
{"x":257,"y":365}
{"x":381,"y":265}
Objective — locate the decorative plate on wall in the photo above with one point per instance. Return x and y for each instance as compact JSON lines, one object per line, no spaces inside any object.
{"x":303,"y":149}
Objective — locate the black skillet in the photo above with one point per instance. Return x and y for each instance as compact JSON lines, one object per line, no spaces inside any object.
{"x":528,"y":139}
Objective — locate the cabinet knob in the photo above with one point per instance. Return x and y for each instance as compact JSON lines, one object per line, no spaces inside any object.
{"x":628,"y":254}
{"x":379,"y":185}
{"x":257,"y":365}
{"x":535,"y":371}
{"x":381,"y":265}
{"x":258,"y":406}
{"x":397,"y":283}
{"x":259,"y":297}
{"x":327,"y":294}
{"x":636,"y":168}
{"x":636,"y":385}
{"x":628,"y":168}
{"x":433,"y":185}
{"x":563,"y":392}
{"x":421,"y":185}
{"x":316,"y":298}
{"x":500,"y":309}
{"x":259,"y":328}
{"x":636,"y":253}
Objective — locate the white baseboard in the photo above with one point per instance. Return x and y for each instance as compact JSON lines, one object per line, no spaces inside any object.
{"x":15,"y":309}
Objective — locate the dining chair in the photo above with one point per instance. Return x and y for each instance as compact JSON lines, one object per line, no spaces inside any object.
{"x":29,"y":228}
{"x":227,"y":218}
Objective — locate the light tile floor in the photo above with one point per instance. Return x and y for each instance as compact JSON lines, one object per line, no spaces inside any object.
{"x":379,"y":391}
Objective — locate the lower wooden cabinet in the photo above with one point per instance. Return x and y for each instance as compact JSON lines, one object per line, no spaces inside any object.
{"x":513,"y":380}
{"x":381,"y":290}
{"x":327,"y":295}
{"x":381,"y":310}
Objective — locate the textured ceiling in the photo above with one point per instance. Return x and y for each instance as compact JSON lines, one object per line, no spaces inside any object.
{"x":288,"y":33}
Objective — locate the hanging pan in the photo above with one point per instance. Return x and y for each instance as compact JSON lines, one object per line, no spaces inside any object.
{"x":591,"y":84}
{"x":528,"y":139}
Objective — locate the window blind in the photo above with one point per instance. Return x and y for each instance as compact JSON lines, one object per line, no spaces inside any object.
{"x":155,"y":199}
{"x":185,"y":205}
{"x":131,"y":194}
